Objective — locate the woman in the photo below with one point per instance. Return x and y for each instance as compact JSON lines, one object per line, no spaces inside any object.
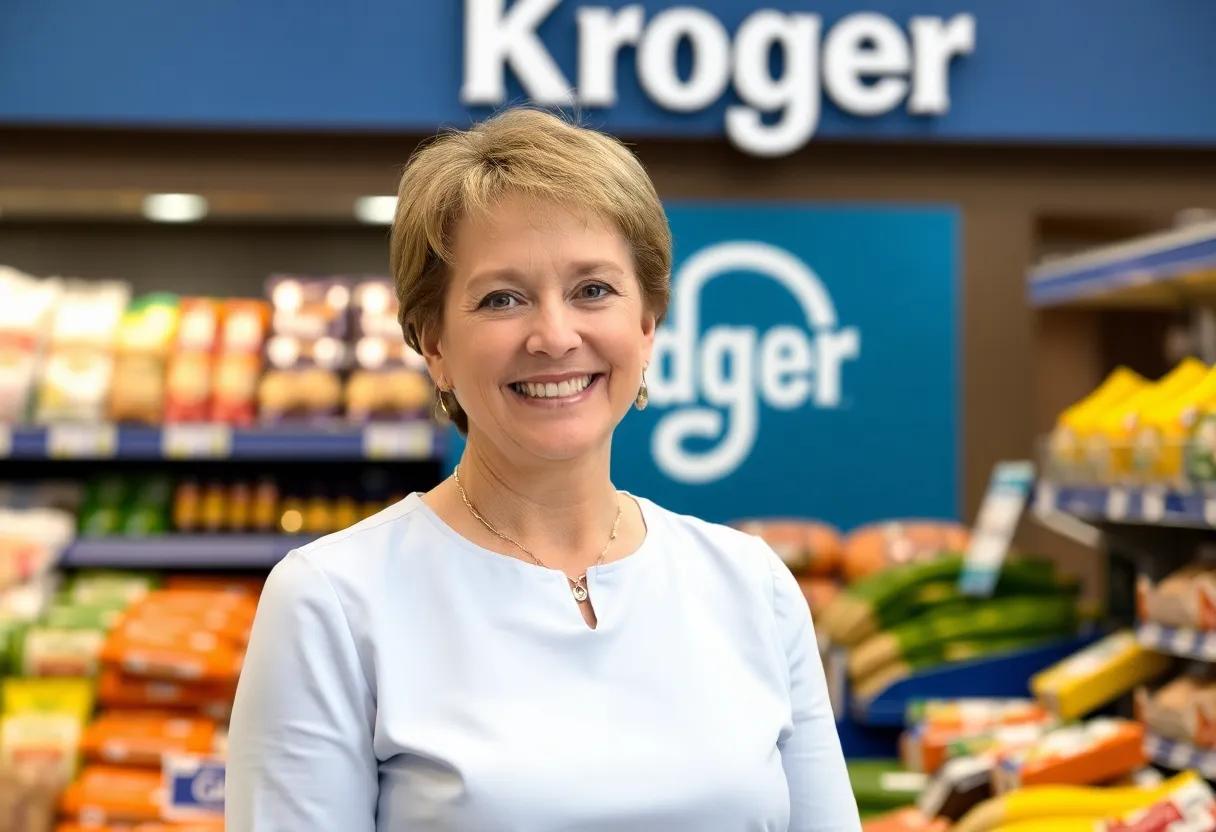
{"x":525,"y":647}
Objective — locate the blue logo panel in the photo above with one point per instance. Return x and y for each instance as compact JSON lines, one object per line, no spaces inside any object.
{"x":807,"y":368}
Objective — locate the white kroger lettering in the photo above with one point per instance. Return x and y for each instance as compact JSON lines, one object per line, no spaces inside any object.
{"x":868,"y":64}
{"x":733,"y":368}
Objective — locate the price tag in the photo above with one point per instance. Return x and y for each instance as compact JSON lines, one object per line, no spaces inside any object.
{"x":1153,"y":505}
{"x":81,"y":441}
{"x":1209,"y":510}
{"x":6,"y":441}
{"x":1045,"y":499}
{"x":1116,"y":504}
{"x":1004,"y":503}
{"x":201,"y":441}
{"x":1149,"y":635}
{"x":1184,"y":642}
{"x":194,"y":787}
{"x":398,"y":440}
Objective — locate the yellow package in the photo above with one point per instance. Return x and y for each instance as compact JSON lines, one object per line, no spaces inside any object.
{"x":1108,"y":443}
{"x":1097,"y":675}
{"x":1160,"y":439}
{"x":1080,"y":417}
{"x":73,"y":697}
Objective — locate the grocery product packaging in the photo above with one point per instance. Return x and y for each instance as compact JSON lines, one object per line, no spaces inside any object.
{"x":1083,"y":754}
{"x":1097,"y":675}
{"x":389,"y":380}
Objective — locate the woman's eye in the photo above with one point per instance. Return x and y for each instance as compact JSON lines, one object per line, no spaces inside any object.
{"x":498,"y":300}
{"x":594,"y":291}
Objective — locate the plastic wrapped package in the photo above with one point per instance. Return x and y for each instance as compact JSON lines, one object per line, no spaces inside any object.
{"x":79,"y":368}
{"x":28,"y":302}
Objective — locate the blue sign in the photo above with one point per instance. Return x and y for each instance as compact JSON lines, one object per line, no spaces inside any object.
{"x":769,"y":74}
{"x":194,"y":787}
{"x":807,"y":368}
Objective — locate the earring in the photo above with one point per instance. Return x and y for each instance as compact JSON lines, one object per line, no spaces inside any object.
{"x":643,"y":397}
{"x":442,"y":404}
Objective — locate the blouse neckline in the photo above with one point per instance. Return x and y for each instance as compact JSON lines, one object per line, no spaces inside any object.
{"x":414,"y":502}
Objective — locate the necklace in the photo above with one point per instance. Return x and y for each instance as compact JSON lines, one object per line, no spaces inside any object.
{"x":578,"y":586}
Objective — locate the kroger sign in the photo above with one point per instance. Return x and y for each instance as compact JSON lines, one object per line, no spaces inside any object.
{"x":738,"y":368}
{"x":866,"y":63}
{"x":807,"y":367}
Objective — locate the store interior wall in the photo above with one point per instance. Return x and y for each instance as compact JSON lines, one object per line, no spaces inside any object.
{"x":1019,"y":367}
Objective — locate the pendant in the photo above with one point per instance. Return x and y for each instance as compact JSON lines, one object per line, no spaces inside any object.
{"x":580,"y":592}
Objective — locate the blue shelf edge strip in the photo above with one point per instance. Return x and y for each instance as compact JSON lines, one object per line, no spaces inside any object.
{"x":1156,"y":259}
{"x":1180,"y":756}
{"x":203,"y":551}
{"x":1199,"y":645}
{"x":417,"y":439}
{"x":1147,"y":505}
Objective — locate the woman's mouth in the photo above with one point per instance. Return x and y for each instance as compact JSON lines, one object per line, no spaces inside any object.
{"x":564,"y":389}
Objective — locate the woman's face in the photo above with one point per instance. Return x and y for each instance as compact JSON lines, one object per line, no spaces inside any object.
{"x":545,"y":331}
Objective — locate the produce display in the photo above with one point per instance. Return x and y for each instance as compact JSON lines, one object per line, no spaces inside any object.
{"x":824,"y":559}
{"x":914,"y":616}
{"x":313,"y":351}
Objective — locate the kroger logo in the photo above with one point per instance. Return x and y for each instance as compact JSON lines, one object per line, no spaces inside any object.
{"x":712,"y":385}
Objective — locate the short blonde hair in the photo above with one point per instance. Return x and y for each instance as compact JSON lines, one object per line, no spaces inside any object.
{"x":526,"y":152}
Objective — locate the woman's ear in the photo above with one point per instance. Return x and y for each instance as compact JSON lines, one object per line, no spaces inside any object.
{"x":649,"y":325}
{"x":432,"y":351}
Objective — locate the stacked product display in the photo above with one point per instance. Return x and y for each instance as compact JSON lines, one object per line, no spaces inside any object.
{"x":314,"y":351}
{"x":1057,"y":762}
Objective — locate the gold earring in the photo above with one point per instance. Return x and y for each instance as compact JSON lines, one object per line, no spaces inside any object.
{"x":643,"y":397}
{"x":443,"y":405}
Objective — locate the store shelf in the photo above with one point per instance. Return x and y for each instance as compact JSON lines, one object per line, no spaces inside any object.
{"x":1180,"y":756}
{"x":1148,"y":505}
{"x":1002,"y":676}
{"x":182,"y":551}
{"x":414,"y":440}
{"x":1199,"y":645}
{"x":1158,"y":269}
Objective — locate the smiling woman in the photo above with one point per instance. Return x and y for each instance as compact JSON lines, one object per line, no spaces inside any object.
{"x":525,"y":647}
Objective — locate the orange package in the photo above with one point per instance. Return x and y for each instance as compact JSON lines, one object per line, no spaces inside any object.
{"x":117,"y":690}
{"x":1085,"y":754}
{"x":142,"y":738}
{"x":174,"y":654}
{"x":804,"y":545}
{"x":228,"y":584}
{"x":905,"y":820}
{"x":151,"y":826}
{"x":110,"y":794}
{"x":872,"y":548}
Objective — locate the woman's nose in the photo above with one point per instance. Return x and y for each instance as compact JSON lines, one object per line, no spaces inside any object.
{"x":554,"y":330}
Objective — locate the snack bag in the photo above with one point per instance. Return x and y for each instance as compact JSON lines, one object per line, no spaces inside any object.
{"x":79,"y":367}
{"x":110,"y":794}
{"x":143,"y":738}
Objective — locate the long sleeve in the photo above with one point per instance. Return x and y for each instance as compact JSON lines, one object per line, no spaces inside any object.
{"x":300,"y":755}
{"x":821,"y":797}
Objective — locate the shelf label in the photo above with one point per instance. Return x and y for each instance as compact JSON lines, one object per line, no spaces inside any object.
{"x":81,"y":441}
{"x":1153,"y":505}
{"x":1116,"y":504}
{"x":1209,"y":510}
{"x":398,"y":440}
{"x":1008,"y":492}
{"x":194,"y":787}
{"x":6,"y":441}
{"x":196,"y":441}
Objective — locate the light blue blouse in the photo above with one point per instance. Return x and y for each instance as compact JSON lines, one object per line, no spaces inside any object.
{"x":402,"y":678}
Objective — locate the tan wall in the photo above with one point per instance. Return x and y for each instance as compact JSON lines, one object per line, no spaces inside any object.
{"x":1019,"y":368}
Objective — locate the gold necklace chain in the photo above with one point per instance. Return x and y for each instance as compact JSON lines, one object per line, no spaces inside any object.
{"x":577,"y":585}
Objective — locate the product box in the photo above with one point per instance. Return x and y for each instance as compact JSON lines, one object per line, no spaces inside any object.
{"x":1094,"y":752}
{"x":1097,"y":675}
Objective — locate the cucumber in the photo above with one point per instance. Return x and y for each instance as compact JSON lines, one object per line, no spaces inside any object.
{"x":903,"y":593}
{"x":1020,"y":616}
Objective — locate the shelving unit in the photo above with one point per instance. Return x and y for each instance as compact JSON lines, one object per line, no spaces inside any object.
{"x":411,"y":440}
{"x":1165,"y":269}
{"x":1149,"y":529}
{"x":182,"y":551}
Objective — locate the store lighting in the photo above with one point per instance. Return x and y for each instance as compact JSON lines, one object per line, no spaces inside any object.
{"x":174,"y":207}
{"x":376,"y":210}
